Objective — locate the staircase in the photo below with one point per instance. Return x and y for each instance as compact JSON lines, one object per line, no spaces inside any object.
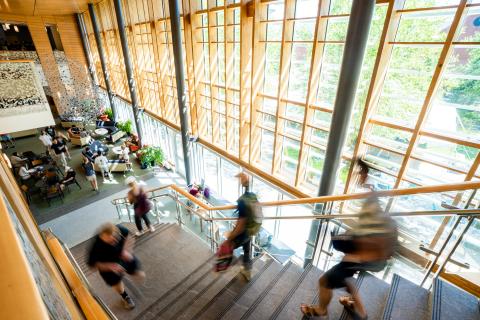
{"x":181,"y":285}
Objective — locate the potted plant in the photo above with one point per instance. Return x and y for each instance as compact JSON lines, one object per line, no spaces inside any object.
{"x":125,"y":126}
{"x":150,"y":156}
{"x":107,"y":115}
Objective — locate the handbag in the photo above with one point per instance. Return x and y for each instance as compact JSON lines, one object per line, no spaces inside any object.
{"x":343,"y":243}
{"x":224,"y":257}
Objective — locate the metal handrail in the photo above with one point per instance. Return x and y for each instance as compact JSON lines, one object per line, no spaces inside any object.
{"x":462,"y":186}
{"x":431,"y":213}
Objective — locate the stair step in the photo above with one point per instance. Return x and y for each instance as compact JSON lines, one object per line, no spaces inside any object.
{"x":189,"y":297}
{"x":241,"y":305}
{"x":265,"y":307}
{"x":219,"y":304}
{"x":305,"y":293}
{"x":164,"y":302}
{"x":204,"y":299}
{"x":451,"y":302}
{"x":373,"y":292}
{"x":406,"y":301}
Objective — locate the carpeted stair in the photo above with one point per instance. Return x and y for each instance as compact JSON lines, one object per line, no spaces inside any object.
{"x":182,"y":285}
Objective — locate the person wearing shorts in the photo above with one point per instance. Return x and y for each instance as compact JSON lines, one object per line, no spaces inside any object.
{"x":90,"y":173}
{"x":111,"y":254}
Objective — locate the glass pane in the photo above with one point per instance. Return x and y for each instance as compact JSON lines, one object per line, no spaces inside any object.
{"x":291,"y":149}
{"x":330,"y":72}
{"x":456,"y":108}
{"x":229,"y":182}
{"x":471,"y":26}
{"x":411,"y":4}
{"x":319,"y":136}
{"x":428,"y":174}
{"x":430,"y":26}
{"x":315,"y":161}
{"x":266,"y":148}
{"x":392,"y":138}
{"x":406,"y":82}
{"x":322,"y":118}
{"x":294,"y":112}
{"x":211,"y":169}
{"x":266,"y":193}
{"x":275,"y":11}
{"x":274,"y":31}
{"x":337,"y":29}
{"x":304,"y":30}
{"x":384,"y":159}
{"x":293,"y":128}
{"x":446,"y":153}
{"x":306,"y":8}
{"x":340,"y":6}
{"x":299,"y":71}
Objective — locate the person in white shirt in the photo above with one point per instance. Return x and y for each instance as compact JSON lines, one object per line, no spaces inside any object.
{"x":46,"y":140}
{"x":24,"y":173}
{"x":17,"y":161}
{"x":102,"y":162}
{"x":125,"y":155}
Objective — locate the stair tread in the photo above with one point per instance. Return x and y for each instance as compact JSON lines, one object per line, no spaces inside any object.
{"x":169,"y":297}
{"x":267,"y":305}
{"x":305,"y":293}
{"x":232,"y":291}
{"x":451,"y":302}
{"x":406,"y":301}
{"x":373,"y":292}
{"x":242,"y":305}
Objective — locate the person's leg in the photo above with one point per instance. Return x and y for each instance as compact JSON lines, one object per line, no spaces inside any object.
{"x":148,"y":223}
{"x":127,"y":301}
{"x":355,"y":299}
{"x":247,"y":255}
{"x":138,"y":223}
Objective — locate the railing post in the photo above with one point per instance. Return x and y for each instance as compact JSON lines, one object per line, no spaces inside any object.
{"x":155,"y":209}
{"x":179,"y":213}
{"x":455,"y":246}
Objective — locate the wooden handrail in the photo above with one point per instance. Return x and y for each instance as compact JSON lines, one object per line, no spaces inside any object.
{"x":461,"y":186}
{"x":89,"y":305}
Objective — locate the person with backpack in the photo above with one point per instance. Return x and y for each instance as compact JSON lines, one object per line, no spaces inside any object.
{"x":247,"y":226}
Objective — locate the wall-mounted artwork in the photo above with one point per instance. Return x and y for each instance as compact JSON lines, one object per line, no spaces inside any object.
{"x":23,"y":104}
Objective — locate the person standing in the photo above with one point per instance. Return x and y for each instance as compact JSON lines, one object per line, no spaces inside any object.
{"x":51,"y":131}
{"x":90,"y":173}
{"x":59,"y":150}
{"x":46,"y":140}
{"x":248,"y":224}
{"x":111,"y":254}
{"x":125,"y":156}
{"x":102,"y":162}
{"x":17,"y":161}
{"x":141,"y":204}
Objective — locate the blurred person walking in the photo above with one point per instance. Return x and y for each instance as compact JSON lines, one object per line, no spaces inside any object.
{"x":367,"y":247}
{"x":141,"y":205}
{"x":248,"y":224}
{"x":112,"y":255}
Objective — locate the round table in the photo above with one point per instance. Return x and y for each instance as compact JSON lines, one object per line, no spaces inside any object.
{"x":96,"y":146}
{"x":101,"y":132}
{"x":117,"y":150}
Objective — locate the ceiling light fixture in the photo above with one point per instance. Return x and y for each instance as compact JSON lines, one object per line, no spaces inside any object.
{"x":16,"y":29}
{"x":4,"y":27}
{"x":7,"y":25}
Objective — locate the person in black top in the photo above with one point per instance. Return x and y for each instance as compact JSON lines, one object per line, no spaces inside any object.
{"x":90,"y":173}
{"x":51,"y":131}
{"x":59,"y":149}
{"x":111,"y":254}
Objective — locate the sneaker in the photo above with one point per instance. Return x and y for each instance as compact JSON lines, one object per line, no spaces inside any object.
{"x":128,"y":303}
{"x":152,"y":228}
{"x":138,"y":233}
{"x":247,"y":274}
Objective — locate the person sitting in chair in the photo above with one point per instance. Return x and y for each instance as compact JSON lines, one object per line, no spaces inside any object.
{"x":69,"y":177}
{"x":102,"y":162}
{"x":133,"y":143}
{"x":89,"y":154}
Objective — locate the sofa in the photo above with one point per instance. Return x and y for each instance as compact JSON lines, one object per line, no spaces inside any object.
{"x":114,"y":166}
{"x":80,"y":141}
{"x":115,"y":136}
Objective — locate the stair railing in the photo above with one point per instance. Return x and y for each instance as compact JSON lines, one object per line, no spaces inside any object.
{"x":213,"y":215}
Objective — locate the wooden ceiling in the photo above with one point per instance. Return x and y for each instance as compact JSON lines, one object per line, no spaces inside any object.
{"x":44,"y":7}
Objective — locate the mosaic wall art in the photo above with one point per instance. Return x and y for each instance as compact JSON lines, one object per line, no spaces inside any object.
{"x":21,"y":89}
{"x":23,"y":105}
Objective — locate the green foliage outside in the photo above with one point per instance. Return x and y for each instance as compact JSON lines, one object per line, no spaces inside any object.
{"x":125,"y":126}
{"x":109,"y":113}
